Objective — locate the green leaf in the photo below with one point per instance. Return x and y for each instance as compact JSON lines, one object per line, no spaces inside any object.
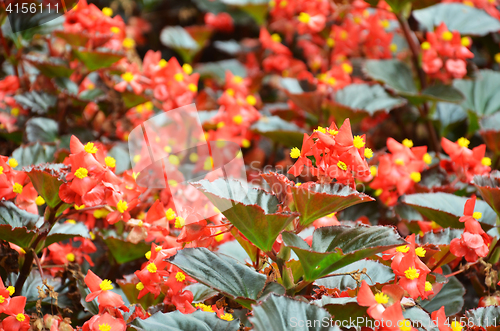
{"x":445,"y":209}
{"x":47,"y":179}
{"x":447,"y":116}
{"x":122,"y":157}
{"x":361,"y":100}
{"x":64,"y":231}
{"x":398,"y":5}
{"x":309,"y":101}
{"x":451,"y":297}
{"x":179,"y":39}
{"x":97,"y":59}
{"x":316,"y":200}
{"x":279,"y":130}
{"x":344,"y":310}
{"x":397,"y":76}
{"x":41,"y":129}
{"x":77,"y":39}
{"x":30,"y":290}
{"x":376,"y":273}
{"x":489,"y":187}
{"x":51,"y":68}
{"x":231,"y":47}
{"x":420,"y":319}
{"x":486,"y":317}
{"x":34,"y":154}
{"x":221,"y":273}
{"x":282,"y":313}
{"x":124,"y":251}
{"x":217,"y":70}
{"x":201,"y":292}
{"x":255,"y":213}
{"x":465,"y":19}
{"x":481,"y":95}
{"x":18,"y":226}
{"x":131,"y":99}
{"x":37,"y":102}
{"x":129,"y":290}
{"x":177,"y":321}
{"x":441,"y":237}
{"x":335,"y":247}
{"x":490,"y":131}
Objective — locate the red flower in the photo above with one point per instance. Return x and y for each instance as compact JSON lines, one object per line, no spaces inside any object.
{"x":222,"y":21}
{"x":101,"y":289}
{"x":104,"y":322}
{"x":18,"y":320}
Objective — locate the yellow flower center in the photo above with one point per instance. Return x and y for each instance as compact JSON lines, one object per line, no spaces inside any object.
{"x":408,"y":143}
{"x":78,"y":208}
{"x":304,"y":17}
{"x":163,"y":63}
{"x":373,"y":171}
{"x":128,"y":43}
{"x":179,"y":222}
{"x":39,"y":201}
{"x":1,"y":170}
{"x":381,"y":298}
{"x":188,"y":69}
{"x":148,"y":255}
{"x":420,"y":251}
{"x":427,"y":158}
{"x":347,"y":68}
{"x":404,"y":325}
{"x":342,"y":165}
{"x":497,"y":57}
{"x":486,"y":161}
{"x":358,"y":142}
{"x":104,"y":327}
{"x":447,"y":35}
{"x":70,"y":257}
{"x":295,"y":153}
{"x":252,"y":101}
{"x":465,"y":41}
{"x":245,"y":143}
{"x":227,"y":317}
{"x":106,"y":285}
{"x":115,"y":29}
{"x":90,"y":148}
{"x":237,"y":79}
{"x":204,"y":307}
{"x":426,"y":45}
{"x":477,"y":215}
{"x":416,"y":176}
{"x":14,"y":111}
{"x":110,"y":161}
{"x":456,"y":326}
{"x":11,"y":290}
{"x":17,"y":188}
{"x":122,"y":206}
{"x":152,"y":268}
{"x":13,"y":163}
{"x":139,"y":286}
{"x":128,"y":77}
{"x":238,"y":119}
{"x":81,"y":173}
{"x":107,"y":11}
{"x":463,"y":142}
{"x":180,"y":277}
{"x":368,"y":153}
{"x":2,"y":299}
{"x":428,"y":286}
{"x":179,"y":76}
{"x":220,"y":237}
{"x":403,"y":249}
{"x":20,"y":317}
{"x":193,"y":88}
{"x":411,"y":273}
{"x":393,"y":48}
{"x":170,"y":214}
{"x":320,"y":129}
{"x":174,"y":160}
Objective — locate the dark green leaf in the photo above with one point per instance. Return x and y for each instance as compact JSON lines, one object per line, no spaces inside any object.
{"x":279,"y":130}
{"x":64,"y":231}
{"x":282,"y":314}
{"x":376,"y":273}
{"x":397,"y":5}
{"x":124,"y":251}
{"x":316,"y":200}
{"x":47,"y":180}
{"x":445,"y":209}
{"x":74,"y":39}
{"x":481,"y":94}
{"x":179,"y":39}
{"x":131,"y":99}
{"x":97,"y":59}
{"x":451,"y":297}
{"x":489,"y":187}
{"x":122,"y":157}
{"x":490,"y":131}
{"x":448,"y":115}
{"x":217,"y":70}
{"x":221,"y":273}
{"x":441,"y":237}
{"x":41,"y":129}
{"x":34,"y":154}
{"x":255,"y":213}
{"x":201,"y":292}
{"x":442,"y":92}
{"x":420,"y":319}
{"x":486,"y":317}
{"x":344,"y":310}
{"x":465,"y":19}
{"x":17,"y":226}
{"x":38,"y":102}
{"x":51,"y":68}
{"x":177,"y":321}
{"x":335,"y":247}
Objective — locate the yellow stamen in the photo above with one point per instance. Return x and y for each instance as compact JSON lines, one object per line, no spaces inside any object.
{"x":342,"y":165}
{"x":403,"y":249}
{"x":456,"y":326}
{"x":420,"y":251}
{"x":412,"y":273}
{"x":139,"y":286}
{"x":70,"y":257}
{"x":20,"y":317}
{"x":358,"y":142}
{"x":170,"y":214}
{"x":447,"y":35}
{"x":416,"y":176}
{"x":122,"y":206}
{"x":90,"y":148}
{"x":427,"y":158}
{"x":304,"y":18}
{"x":486,"y":161}
{"x":128,"y":43}
{"x":477,"y":215}
{"x":39,"y":201}
{"x":188,"y":69}
{"x":463,"y":142}
{"x":128,"y":77}
{"x":408,"y":143}
{"x":104,"y":327}
{"x":107,"y":11}
{"x":106,"y":285}
{"x":17,"y":188}
{"x":295,"y":153}
{"x":381,"y":298}
{"x":152,"y":268}
{"x":110,"y":161}
{"x":13,"y":163}
{"x":227,"y":317}
{"x":180,"y":277}
{"x":428,"y":286}
{"x":179,"y":222}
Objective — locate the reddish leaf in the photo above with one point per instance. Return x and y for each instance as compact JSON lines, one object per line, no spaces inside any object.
{"x":489,"y":187}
